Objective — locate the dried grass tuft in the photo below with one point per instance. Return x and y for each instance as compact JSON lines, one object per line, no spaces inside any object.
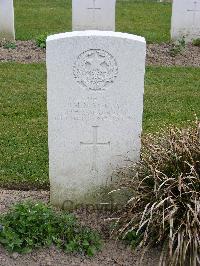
{"x":165,"y":208}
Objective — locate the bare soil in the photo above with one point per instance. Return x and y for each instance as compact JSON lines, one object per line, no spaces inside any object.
{"x":113,"y":252}
{"x":157,"y":54}
{"x":25,"y":52}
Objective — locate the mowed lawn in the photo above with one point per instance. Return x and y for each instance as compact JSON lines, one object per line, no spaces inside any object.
{"x":147,"y":18}
{"x":171,"y":97}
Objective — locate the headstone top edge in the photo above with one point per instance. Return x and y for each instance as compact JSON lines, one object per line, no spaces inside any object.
{"x":96,"y":33}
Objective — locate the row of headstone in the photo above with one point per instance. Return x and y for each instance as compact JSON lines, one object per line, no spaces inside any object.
{"x":95,"y":83}
{"x":95,"y":99}
{"x":7,"y":29}
{"x":100,"y":15}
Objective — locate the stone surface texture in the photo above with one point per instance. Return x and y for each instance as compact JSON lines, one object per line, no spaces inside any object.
{"x":7,"y":29}
{"x":93,"y":15}
{"x":185,"y":19}
{"x":95,"y":105}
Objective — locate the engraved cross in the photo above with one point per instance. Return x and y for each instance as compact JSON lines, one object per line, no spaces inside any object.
{"x":194,"y":10}
{"x":94,"y":9}
{"x":95,"y":145}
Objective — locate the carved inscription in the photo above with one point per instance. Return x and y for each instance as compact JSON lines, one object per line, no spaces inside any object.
{"x":91,"y":109}
{"x":95,"y":69}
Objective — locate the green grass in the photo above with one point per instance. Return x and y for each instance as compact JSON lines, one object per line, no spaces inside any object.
{"x":171,"y":97}
{"x":35,"y":17}
{"x":23,"y":123}
{"x":146,"y":18}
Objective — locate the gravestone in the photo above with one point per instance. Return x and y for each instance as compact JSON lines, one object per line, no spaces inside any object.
{"x":93,"y":15}
{"x":7,"y":30}
{"x":185,"y":19}
{"x":95,"y":103}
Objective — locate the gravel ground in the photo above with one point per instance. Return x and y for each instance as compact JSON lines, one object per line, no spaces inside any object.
{"x":157,"y":54}
{"x":113,"y":253}
{"x":25,"y":52}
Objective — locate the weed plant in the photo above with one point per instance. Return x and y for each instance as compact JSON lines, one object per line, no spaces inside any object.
{"x":9,"y":45}
{"x":41,"y":40}
{"x":196,"y":42}
{"x":177,"y":48}
{"x":32,"y":225}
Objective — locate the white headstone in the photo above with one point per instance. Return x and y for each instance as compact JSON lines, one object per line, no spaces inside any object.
{"x":93,"y":15}
{"x":95,"y":103}
{"x":185,"y":19}
{"x":7,"y":29}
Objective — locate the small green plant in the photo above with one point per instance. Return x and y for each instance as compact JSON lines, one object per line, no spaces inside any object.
{"x":9,"y":45}
{"x":132,"y":238}
{"x":41,"y":40}
{"x":178,"y":47}
{"x":196,"y":42}
{"x":32,"y":225}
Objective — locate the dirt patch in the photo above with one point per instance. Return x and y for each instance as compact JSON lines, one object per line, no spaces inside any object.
{"x":157,"y":54}
{"x":24,"y":52}
{"x":113,"y":253}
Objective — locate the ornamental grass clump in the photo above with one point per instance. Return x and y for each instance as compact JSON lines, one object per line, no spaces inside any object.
{"x":165,"y":208}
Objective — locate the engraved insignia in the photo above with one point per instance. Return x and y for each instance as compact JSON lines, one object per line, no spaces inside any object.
{"x":95,"y":69}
